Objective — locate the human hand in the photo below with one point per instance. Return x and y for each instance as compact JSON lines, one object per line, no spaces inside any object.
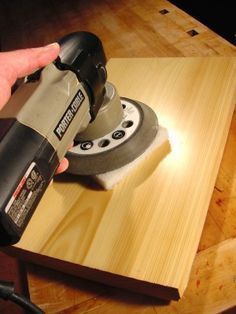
{"x":19,"y":63}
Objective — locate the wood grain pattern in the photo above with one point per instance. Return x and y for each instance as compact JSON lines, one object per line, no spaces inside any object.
{"x":221,"y":218}
{"x":128,"y":28}
{"x":211,"y":289}
{"x":148,"y":228}
{"x":24,"y":24}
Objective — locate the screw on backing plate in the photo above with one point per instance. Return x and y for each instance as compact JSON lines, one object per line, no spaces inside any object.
{"x":117,"y":135}
{"x":86,"y":145}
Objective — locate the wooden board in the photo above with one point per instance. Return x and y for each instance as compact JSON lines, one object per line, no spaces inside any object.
{"x":211,"y":289}
{"x":144,"y":234}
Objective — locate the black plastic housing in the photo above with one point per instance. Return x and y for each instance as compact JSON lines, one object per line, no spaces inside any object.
{"x":82,"y":53}
{"x":20,"y":148}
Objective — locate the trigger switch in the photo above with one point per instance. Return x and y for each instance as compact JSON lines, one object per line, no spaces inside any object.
{"x":34,"y":77}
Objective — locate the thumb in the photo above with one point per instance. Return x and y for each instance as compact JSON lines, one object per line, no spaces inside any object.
{"x":19,"y":63}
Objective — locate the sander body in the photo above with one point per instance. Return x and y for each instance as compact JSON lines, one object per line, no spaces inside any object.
{"x":65,"y":101}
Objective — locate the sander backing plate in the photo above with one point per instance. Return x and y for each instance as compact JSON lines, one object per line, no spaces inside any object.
{"x":128,"y":145}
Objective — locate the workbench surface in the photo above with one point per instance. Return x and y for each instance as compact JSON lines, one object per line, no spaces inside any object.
{"x":151,"y":29}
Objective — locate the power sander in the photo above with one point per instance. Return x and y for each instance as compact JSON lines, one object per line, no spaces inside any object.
{"x":67,"y":100}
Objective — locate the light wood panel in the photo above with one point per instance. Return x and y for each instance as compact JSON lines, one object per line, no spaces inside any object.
{"x":211,"y":289}
{"x":25,"y":24}
{"x":144,"y":234}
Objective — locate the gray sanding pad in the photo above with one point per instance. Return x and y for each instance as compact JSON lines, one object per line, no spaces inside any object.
{"x":125,"y":143}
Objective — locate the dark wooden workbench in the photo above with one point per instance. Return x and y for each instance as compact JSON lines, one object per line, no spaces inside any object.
{"x":133,"y":28}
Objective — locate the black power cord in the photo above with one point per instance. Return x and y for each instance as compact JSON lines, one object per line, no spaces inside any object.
{"x":7,"y":293}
